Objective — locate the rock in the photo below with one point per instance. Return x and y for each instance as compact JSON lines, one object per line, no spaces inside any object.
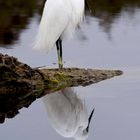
{"x":20,"y":84}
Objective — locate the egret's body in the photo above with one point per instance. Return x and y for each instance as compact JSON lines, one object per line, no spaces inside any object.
{"x":59,"y":20}
{"x":67,"y":114}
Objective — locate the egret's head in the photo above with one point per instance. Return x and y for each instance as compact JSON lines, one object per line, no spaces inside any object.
{"x":82,"y":132}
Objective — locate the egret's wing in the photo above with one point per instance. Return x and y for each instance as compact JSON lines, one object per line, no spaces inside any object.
{"x":53,"y":23}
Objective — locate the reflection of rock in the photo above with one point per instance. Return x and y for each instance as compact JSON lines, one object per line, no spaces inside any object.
{"x":10,"y":104}
{"x":67,"y":113}
{"x":20,"y":85}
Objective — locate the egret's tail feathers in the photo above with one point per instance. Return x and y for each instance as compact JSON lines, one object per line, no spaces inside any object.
{"x":45,"y":40}
{"x":42,"y":42}
{"x":42,"y":47}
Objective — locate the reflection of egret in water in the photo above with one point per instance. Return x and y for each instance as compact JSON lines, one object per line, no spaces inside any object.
{"x":68,"y":114}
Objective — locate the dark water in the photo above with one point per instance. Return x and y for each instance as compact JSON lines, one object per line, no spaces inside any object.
{"x":109,"y":39}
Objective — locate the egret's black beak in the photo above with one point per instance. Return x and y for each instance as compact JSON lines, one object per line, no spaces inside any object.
{"x":89,"y":119}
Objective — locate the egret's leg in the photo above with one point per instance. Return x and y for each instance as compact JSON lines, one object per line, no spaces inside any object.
{"x":59,"y":53}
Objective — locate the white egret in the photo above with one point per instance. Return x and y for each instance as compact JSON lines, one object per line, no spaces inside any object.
{"x":59,"y":20}
{"x":68,"y":114}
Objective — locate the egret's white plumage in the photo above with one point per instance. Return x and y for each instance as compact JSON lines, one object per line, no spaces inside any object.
{"x":67,"y":113}
{"x":59,"y":20}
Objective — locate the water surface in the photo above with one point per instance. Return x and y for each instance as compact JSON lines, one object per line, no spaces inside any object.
{"x":109,"y":39}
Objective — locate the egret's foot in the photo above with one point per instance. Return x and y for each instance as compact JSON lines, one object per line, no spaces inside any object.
{"x":60,"y":63}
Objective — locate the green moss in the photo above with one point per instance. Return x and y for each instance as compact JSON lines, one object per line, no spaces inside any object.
{"x":59,"y":81}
